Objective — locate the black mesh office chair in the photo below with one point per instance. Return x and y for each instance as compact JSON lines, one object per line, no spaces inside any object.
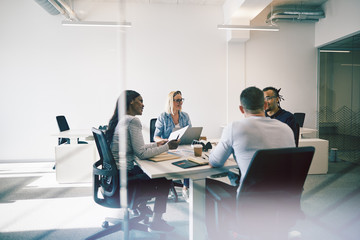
{"x":300,"y":118}
{"x":175,"y":183}
{"x":64,"y":126}
{"x":152,"y":129}
{"x":298,"y":135}
{"x":268,"y":203}
{"x":106,"y":191}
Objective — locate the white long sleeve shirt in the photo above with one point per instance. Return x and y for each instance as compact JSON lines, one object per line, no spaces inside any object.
{"x":243,"y":138}
{"x":135,"y":145}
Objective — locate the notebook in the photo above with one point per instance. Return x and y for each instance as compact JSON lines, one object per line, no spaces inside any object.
{"x":191,"y":162}
{"x":186,"y":134}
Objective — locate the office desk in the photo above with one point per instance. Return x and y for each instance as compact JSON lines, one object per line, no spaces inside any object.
{"x":74,"y":161}
{"x":197,"y":175}
{"x":74,"y":134}
{"x":319,"y":164}
{"x":308,"y":131}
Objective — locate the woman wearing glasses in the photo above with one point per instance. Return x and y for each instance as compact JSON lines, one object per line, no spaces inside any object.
{"x":172,"y":119}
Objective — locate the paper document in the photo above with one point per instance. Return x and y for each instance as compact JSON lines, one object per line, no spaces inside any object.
{"x":164,"y":156}
{"x":199,"y":160}
{"x":178,"y":134}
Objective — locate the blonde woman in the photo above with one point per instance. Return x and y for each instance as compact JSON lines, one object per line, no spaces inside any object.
{"x":173,"y":118}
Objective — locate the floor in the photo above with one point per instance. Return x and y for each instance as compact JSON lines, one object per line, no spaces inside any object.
{"x":34,"y":206}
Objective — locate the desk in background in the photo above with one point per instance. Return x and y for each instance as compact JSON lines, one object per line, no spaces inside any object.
{"x":74,"y":161}
{"x":319,"y":164}
{"x":197,"y":175}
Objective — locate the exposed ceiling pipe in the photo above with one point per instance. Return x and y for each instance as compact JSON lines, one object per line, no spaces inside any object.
{"x":50,"y":8}
{"x":303,"y":15}
{"x":57,"y":7}
{"x":68,"y":9}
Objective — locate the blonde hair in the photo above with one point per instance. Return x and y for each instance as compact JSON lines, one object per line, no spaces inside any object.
{"x":169,"y":107}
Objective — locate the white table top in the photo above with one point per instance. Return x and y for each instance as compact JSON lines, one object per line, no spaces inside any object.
{"x":168,"y":170}
{"x":307,"y":130}
{"x":74,"y":134}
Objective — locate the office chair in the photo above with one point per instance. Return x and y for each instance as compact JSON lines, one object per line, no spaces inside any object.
{"x":300,"y":118}
{"x":152,"y":129}
{"x":298,"y":135}
{"x":267,"y":204}
{"x":64,"y":126}
{"x":106,"y":191}
{"x":174,"y":183}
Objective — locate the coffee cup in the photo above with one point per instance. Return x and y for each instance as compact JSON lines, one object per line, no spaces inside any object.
{"x":198,"y":150}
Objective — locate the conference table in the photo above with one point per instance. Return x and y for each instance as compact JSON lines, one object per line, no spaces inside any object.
{"x":197,"y":176}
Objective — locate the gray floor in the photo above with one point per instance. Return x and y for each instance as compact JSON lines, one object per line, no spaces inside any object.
{"x":34,"y":206}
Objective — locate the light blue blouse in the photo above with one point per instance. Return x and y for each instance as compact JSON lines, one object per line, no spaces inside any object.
{"x":165,"y":124}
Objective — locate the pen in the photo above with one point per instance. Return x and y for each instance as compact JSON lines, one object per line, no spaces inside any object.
{"x":177,"y":137}
{"x":206,"y":155}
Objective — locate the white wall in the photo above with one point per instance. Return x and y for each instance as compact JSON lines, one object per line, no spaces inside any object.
{"x":178,"y":47}
{"x":286,"y":60}
{"x":48,"y":70}
{"x":342,"y":19}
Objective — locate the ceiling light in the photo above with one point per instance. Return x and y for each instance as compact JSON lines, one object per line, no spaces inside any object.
{"x":335,"y":51}
{"x":246,"y":27}
{"x":349,"y":65}
{"x":96,"y":24}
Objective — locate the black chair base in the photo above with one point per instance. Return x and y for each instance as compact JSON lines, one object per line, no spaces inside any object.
{"x":119,"y":226}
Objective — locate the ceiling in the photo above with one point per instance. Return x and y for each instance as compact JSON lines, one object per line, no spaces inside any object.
{"x":221,"y":2}
{"x":261,"y":18}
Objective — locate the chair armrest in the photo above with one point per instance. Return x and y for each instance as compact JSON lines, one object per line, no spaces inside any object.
{"x":102,"y":172}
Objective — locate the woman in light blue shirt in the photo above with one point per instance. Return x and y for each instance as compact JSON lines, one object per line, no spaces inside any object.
{"x":172,"y":119}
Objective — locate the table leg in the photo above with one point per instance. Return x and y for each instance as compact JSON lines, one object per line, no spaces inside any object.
{"x":197,"y":228}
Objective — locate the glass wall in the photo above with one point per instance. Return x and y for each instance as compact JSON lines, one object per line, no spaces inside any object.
{"x":339,"y":97}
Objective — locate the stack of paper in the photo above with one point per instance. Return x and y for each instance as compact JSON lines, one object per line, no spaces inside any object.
{"x":164,"y":156}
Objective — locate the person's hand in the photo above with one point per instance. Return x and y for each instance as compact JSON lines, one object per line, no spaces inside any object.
{"x":161,"y":142}
{"x":173,"y":144}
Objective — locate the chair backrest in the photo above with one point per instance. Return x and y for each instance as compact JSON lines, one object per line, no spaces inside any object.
{"x":63,"y":126}
{"x":271,"y":190}
{"x":152,"y":129}
{"x":298,"y":135}
{"x":106,"y":175}
{"x":300,"y":118}
{"x":62,"y":123}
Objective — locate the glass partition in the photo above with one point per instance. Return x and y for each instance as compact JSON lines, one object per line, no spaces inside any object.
{"x":339,"y":97}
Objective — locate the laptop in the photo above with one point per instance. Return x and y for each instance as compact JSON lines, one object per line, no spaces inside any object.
{"x":191,"y":133}
{"x":186,"y":134}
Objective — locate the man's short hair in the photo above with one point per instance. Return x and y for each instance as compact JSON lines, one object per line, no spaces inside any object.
{"x":252,"y":99}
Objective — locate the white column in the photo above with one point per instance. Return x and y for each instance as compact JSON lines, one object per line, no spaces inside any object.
{"x":236,"y":77}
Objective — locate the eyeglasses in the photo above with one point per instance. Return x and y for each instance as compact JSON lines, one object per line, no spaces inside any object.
{"x":179,"y":100}
{"x":267,"y":98}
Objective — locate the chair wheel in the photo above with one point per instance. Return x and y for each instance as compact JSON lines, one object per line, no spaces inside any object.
{"x":105,"y":224}
{"x":146,"y":220}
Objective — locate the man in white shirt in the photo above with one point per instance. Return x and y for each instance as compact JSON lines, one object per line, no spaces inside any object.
{"x":244,"y":137}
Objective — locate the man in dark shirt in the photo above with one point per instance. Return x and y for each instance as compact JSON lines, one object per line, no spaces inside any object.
{"x":274,"y":110}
